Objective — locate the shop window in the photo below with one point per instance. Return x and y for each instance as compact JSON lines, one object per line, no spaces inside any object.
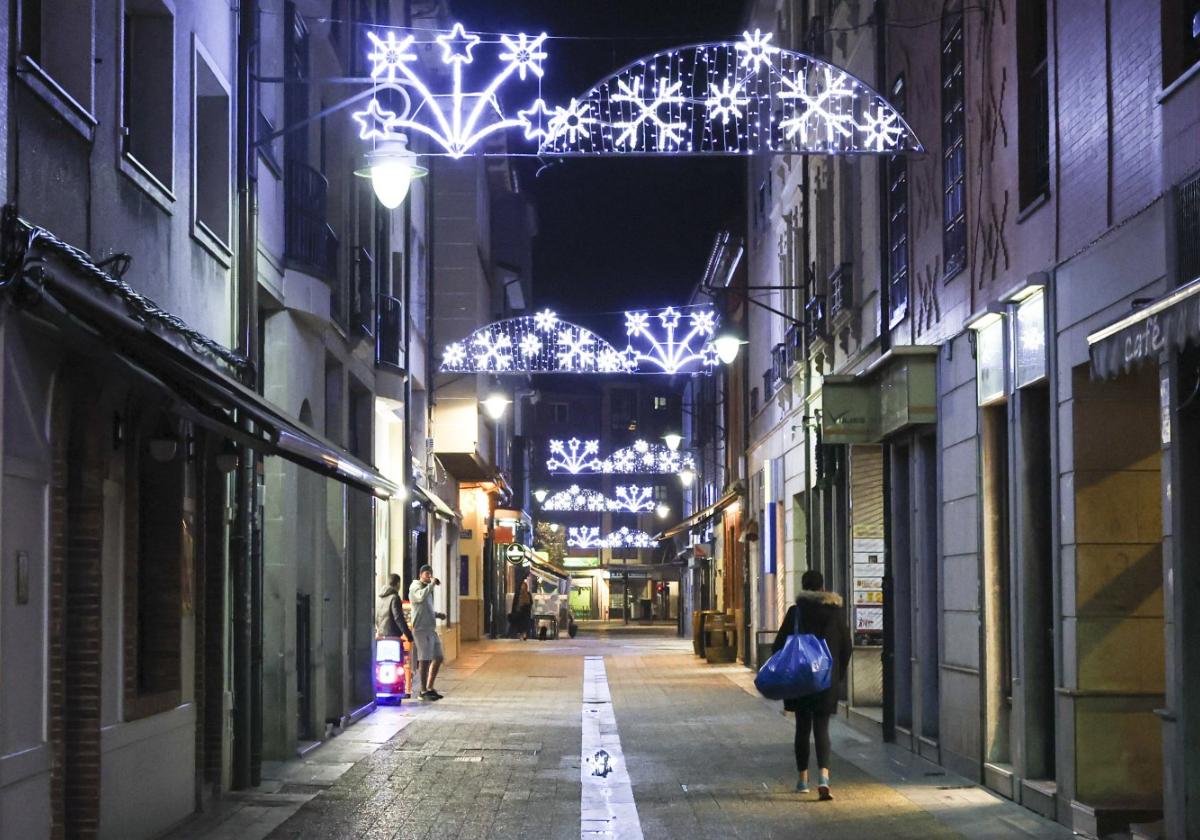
{"x":211,"y":156}
{"x":58,"y":36}
{"x":1180,"y":38}
{"x":897,"y":210}
{"x":1029,"y":339}
{"x":148,"y":89}
{"x":989,"y":335}
{"x":954,"y":148}
{"x":1033,"y":102}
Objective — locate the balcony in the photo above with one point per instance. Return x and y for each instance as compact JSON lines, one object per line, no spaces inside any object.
{"x":841,"y":295}
{"x":816,"y":327}
{"x":309,"y":243}
{"x":793,"y":340}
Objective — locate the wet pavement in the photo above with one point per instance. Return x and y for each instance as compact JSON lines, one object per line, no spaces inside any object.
{"x":704,"y":756}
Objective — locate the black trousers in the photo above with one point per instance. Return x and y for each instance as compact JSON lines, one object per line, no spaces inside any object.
{"x":817,"y":723}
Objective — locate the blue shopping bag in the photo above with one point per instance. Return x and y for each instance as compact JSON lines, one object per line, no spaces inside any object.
{"x":803,"y":666}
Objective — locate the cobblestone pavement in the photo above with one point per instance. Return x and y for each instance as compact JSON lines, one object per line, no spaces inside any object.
{"x":499,"y":758}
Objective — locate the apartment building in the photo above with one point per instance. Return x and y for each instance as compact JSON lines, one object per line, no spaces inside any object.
{"x":975,"y":414}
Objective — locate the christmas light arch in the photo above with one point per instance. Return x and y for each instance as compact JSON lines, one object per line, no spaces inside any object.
{"x":732,"y":98}
{"x":582,"y":457}
{"x":735,"y":97}
{"x":626,"y":499}
{"x":538,"y":343}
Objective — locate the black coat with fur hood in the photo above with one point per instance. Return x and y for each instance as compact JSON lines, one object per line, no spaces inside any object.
{"x":821,"y":614}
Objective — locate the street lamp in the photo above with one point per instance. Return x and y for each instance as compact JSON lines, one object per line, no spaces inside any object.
{"x":663,"y":510}
{"x":686,"y":477}
{"x":673,"y":439}
{"x":495,"y":405}
{"x":727,"y":345}
{"x":540,"y":495}
{"x":391,"y":166}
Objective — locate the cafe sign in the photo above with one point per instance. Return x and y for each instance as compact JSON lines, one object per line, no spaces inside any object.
{"x":1166,"y":324}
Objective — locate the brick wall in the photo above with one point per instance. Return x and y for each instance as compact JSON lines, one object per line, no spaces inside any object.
{"x":77,"y":512}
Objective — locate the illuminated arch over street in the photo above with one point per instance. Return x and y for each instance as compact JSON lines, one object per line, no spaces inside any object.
{"x":538,"y":343}
{"x":732,"y":98}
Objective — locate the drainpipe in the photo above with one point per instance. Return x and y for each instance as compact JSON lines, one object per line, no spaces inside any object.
{"x":245,"y":547}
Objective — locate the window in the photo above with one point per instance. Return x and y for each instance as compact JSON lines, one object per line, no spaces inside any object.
{"x":754,"y":401}
{"x":1033,"y":102}
{"x":660,"y":403}
{"x":1187,"y":228}
{"x":624,"y":410}
{"x":1180,"y":38}
{"x":954,"y":149}
{"x":57,"y":35}
{"x":560,"y":413}
{"x":897,"y":215}
{"x":211,"y":157}
{"x":148,"y":92}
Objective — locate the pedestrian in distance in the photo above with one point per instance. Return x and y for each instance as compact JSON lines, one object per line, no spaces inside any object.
{"x":821,"y":614}
{"x":424,"y":626}
{"x":389,"y":613}
{"x":524,"y":610}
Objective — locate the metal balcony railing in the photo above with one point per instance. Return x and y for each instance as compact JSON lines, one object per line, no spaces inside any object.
{"x":815,"y":326}
{"x":841,"y":292}
{"x":389,"y":335}
{"x":362,"y":293}
{"x":309,"y":243}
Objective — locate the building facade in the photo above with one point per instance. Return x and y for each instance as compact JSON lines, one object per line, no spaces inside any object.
{"x":958,"y":422}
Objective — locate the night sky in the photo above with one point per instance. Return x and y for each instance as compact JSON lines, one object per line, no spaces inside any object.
{"x":615,"y":233}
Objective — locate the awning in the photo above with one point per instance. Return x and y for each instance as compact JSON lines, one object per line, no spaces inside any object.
{"x":896,"y":392}
{"x":434,"y":504}
{"x":700,"y":517}
{"x":64,"y":294}
{"x":1168,"y":323}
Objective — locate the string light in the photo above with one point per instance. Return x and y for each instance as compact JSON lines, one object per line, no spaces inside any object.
{"x":657,"y":342}
{"x":628,"y":499}
{"x":702,"y":98}
{"x":642,"y":457}
{"x":587,"y":536}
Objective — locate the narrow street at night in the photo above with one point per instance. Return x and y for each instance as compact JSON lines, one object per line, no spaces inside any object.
{"x":500,"y":757}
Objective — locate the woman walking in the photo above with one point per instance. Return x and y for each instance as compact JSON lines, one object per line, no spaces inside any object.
{"x":820,"y":615}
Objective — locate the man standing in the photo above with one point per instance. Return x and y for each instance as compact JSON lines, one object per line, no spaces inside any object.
{"x":424,"y":625}
{"x":389,"y":612}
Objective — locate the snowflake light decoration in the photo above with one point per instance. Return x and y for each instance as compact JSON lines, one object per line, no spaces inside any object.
{"x":741,"y":97}
{"x":457,"y":120}
{"x":641,"y":458}
{"x":538,"y":343}
{"x":575,"y":456}
{"x":667,"y":131}
{"x":589,"y":537}
{"x":670,"y":351}
{"x":575,"y":499}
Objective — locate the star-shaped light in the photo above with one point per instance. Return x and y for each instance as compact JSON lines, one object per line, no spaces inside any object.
{"x":389,"y":55}
{"x":669,"y":318}
{"x":532,"y":117}
{"x":375,"y":122}
{"x":454,"y":355}
{"x":757,"y":49}
{"x":524,"y":54}
{"x":573,"y":119}
{"x":545,"y":320}
{"x":457,"y":45}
